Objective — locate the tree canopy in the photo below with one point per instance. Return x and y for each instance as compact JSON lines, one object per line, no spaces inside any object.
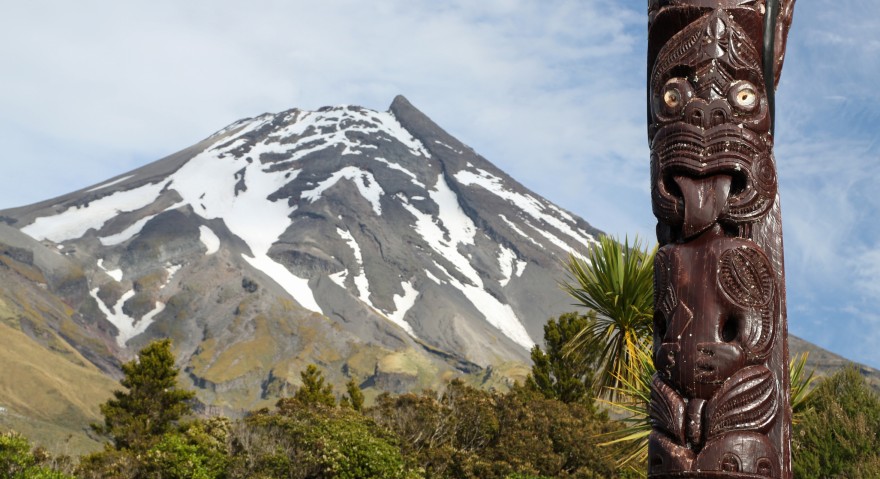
{"x":152,"y":404}
{"x":558,"y":373}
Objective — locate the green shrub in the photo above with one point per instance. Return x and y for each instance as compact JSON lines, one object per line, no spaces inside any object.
{"x":840,"y":435}
{"x":197,"y":452}
{"x":19,"y":461}
{"x":469,"y":433}
{"x":300,"y":441}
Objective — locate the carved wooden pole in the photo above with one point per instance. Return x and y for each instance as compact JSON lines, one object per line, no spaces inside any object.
{"x":720,"y":399}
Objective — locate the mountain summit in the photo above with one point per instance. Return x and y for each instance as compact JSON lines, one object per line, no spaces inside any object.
{"x":373,"y":243}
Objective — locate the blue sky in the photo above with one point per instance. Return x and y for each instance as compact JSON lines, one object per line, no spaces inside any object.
{"x":551,"y":91}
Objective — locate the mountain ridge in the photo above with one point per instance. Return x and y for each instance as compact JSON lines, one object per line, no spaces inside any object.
{"x":374,"y":244}
{"x":338,"y":172}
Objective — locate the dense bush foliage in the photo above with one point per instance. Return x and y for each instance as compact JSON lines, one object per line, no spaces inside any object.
{"x":463,"y":432}
{"x":301,"y":440}
{"x":839,"y":435}
{"x":18,"y":460}
{"x":470,"y":433}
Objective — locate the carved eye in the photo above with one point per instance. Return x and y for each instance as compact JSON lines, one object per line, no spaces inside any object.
{"x":676,"y":93}
{"x":730,"y":463}
{"x":765,"y":467}
{"x":744,"y":96}
{"x":672,"y":98}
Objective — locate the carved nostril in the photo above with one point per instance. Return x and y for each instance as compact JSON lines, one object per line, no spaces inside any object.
{"x":697,"y":117}
{"x":672,"y":187}
{"x":719,"y":117}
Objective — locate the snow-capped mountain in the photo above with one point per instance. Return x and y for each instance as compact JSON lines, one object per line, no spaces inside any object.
{"x":373,"y":243}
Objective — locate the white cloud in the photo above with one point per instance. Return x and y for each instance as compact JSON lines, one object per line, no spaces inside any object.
{"x":552,"y":92}
{"x":107,"y":80}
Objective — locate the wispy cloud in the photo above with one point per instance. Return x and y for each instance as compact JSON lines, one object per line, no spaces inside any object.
{"x":550,"y":91}
{"x":556,"y":84}
{"x":829,"y":164}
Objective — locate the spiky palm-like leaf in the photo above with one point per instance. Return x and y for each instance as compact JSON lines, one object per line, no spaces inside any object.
{"x":801,"y":386}
{"x":632,"y":398}
{"x":617,"y":282}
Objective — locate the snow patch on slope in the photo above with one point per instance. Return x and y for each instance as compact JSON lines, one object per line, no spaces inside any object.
{"x":116,"y":274}
{"x":506,"y":259}
{"x":362,"y":285}
{"x":433,"y":278}
{"x":293,"y":284}
{"x":75,"y":222}
{"x":209,"y":239}
{"x":363,"y":180}
{"x":395,"y":166}
{"x":520,"y":268}
{"x":453,"y":228}
{"x":128,"y":327}
{"x":531,"y":205}
{"x":171,"y":269}
{"x":402,"y":304}
{"x":105,"y":185}
{"x":339,"y":278}
{"x":125,"y":234}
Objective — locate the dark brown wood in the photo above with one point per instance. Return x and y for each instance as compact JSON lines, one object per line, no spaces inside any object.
{"x":720,"y":399}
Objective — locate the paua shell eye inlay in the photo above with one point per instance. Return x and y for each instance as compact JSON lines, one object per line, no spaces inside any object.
{"x":672,"y":98}
{"x":676,"y":93}
{"x":744,"y":96}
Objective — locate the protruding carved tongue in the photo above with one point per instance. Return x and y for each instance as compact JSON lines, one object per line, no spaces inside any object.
{"x":705,"y":199}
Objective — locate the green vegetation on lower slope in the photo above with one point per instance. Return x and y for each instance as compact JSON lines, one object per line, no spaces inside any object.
{"x":461,"y":432}
{"x":839,"y":435}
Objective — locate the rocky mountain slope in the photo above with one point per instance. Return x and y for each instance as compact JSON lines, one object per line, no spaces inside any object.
{"x":371,"y":243}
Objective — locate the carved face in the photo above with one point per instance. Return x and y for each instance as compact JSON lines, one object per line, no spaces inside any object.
{"x":746,"y":452}
{"x":715,"y":301}
{"x":710,"y":124}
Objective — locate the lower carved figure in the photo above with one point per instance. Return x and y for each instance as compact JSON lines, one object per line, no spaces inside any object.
{"x":727,"y":433}
{"x":713,"y":396}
